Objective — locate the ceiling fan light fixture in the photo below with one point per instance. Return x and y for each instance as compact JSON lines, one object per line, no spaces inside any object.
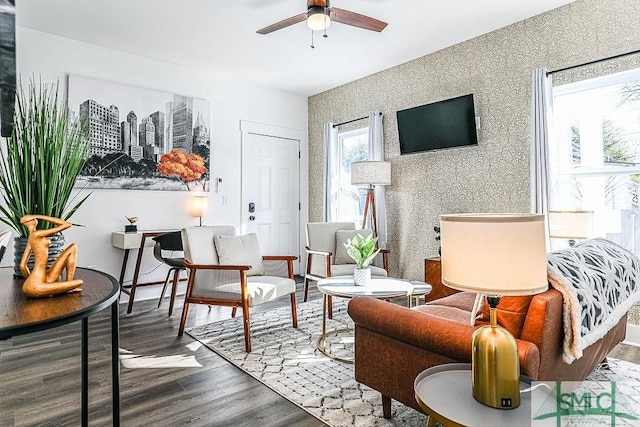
{"x":318,"y":18}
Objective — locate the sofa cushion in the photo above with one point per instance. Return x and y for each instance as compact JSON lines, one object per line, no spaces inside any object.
{"x":342,"y":236}
{"x":448,"y":313}
{"x":461,"y":300}
{"x":240,"y":250}
{"x":512,"y":312}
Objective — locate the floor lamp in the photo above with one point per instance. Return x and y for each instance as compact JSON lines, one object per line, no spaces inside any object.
{"x":370,"y":173}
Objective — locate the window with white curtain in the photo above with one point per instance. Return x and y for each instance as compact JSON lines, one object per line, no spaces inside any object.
{"x":346,"y":202}
{"x":594,"y":154}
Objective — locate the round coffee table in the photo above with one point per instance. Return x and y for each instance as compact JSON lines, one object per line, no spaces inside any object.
{"x":343,"y":287}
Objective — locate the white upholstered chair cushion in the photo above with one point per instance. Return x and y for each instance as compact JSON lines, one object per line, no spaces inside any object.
{"x":240,"y":250}
{"x":342,"y":236}
{"x":198,"y":243}
{"x":260,"y":289}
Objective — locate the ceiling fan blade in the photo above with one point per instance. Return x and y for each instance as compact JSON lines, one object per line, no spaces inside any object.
{"x":356,"y":20}
{"x":284,"y":23}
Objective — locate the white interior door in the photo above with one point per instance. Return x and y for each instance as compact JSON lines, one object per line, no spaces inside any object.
{"x":271,"y":193}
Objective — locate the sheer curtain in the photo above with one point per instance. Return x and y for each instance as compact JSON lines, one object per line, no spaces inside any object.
{"x":376,"y":152}
{"x":330,"y":168}
{"x":541,"y":103}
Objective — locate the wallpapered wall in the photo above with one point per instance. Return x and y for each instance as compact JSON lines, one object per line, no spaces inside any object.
{"x":496,"y":68}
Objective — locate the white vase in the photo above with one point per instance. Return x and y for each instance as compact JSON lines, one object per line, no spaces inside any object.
{"x":361,"y":276}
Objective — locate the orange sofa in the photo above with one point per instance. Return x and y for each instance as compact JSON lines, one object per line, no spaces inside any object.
{"x":393,"y":344}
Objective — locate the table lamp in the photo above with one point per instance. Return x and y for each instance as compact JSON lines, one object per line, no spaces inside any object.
{"x":571,"y":225}
{"x":370,"y":173}
{"x":494,"y":255}
{"x":198,"y":207}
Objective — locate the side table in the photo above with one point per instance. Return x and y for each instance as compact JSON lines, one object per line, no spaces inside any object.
{"x":433,"y":275}
{"x":444,"y":393}
{"x":20,"y":315}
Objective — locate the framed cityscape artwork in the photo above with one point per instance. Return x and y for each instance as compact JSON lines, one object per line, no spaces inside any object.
{"x":141,"y":139}
{"x":8,"y":67}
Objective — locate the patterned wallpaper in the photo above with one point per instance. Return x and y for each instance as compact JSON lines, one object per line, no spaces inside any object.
{"x":496,"y":68}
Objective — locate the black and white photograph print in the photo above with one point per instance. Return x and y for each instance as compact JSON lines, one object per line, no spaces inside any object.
{"x":7,"y":65}
{"x":141,"y":139}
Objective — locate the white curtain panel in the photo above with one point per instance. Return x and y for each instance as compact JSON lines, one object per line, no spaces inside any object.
{"x":330,"y":167}
{"x":376,"y":152}
{"x":541,"y":109}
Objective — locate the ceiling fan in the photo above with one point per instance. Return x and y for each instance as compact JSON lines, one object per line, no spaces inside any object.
{"x":319,"y":16}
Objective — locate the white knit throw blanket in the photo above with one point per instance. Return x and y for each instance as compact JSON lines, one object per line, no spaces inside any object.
{"x":599,"y":281}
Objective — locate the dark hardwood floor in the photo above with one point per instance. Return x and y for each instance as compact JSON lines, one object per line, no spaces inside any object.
{"x":165,"y":380}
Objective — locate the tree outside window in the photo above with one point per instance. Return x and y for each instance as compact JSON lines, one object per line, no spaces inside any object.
{"x":595,"y":154}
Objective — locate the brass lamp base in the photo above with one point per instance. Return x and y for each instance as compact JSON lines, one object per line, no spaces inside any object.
{"x":495,"y":366}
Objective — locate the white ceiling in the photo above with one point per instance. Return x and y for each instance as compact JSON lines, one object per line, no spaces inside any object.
{"x":220,"y":36}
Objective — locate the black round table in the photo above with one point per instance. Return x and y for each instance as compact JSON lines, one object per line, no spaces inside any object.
{"x":20,"y":315}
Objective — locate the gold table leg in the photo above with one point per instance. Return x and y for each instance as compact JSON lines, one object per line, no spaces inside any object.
{"x":322,"y":340}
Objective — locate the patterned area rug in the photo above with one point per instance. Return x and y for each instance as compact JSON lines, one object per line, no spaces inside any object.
{"x":287,"y":361}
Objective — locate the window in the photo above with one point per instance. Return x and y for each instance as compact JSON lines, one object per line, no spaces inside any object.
{"x":595,"y":154}
{"x":346,"y":203}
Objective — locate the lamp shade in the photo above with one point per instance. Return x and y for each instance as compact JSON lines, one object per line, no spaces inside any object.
{"x":371,"y":173}
{"x":198,"y":206}
{"x":494,"y":254}
{"x":571,"y":224}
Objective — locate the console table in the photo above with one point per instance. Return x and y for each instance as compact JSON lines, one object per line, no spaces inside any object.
{"x":127,"y":241}
{"x":20,"y":315}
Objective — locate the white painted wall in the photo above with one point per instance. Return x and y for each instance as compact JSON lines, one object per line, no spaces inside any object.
{"x":51,"y":57}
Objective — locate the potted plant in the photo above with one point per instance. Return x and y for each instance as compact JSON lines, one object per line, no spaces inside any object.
{"x":362,"y":250}
{"x":44,"y":155}
{"x":436,"y":229}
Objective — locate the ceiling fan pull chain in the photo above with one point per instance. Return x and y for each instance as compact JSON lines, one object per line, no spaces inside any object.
{"x":312,"y":46}
{"x":325,"y":20}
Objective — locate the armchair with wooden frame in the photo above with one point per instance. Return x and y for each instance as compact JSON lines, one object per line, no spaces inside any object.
{"x":228,"y":270}
{"x":326,"y":255}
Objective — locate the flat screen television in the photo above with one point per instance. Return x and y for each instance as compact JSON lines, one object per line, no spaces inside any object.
{"x":444,"y":124}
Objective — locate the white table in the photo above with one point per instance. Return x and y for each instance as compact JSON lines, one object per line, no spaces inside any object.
{"x":343,"y":287}
{"x":444,"y":392}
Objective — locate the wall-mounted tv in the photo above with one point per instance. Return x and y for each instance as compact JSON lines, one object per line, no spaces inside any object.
{"x":444,"y":124}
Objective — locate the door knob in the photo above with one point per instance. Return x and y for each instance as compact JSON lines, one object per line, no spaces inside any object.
{"x":252,"y":218}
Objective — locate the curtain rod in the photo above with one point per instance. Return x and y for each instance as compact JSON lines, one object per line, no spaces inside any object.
{"x":350,"y":121}
{"x":593,"y":62}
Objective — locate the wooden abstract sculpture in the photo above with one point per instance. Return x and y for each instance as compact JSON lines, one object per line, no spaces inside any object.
{"x":42,"y":282}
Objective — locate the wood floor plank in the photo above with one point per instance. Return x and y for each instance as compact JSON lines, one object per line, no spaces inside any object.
{"x":40,"y":375}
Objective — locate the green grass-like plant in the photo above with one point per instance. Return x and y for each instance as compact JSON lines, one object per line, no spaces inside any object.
{"x":362,"y":249}
{"x":43,"y":157}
